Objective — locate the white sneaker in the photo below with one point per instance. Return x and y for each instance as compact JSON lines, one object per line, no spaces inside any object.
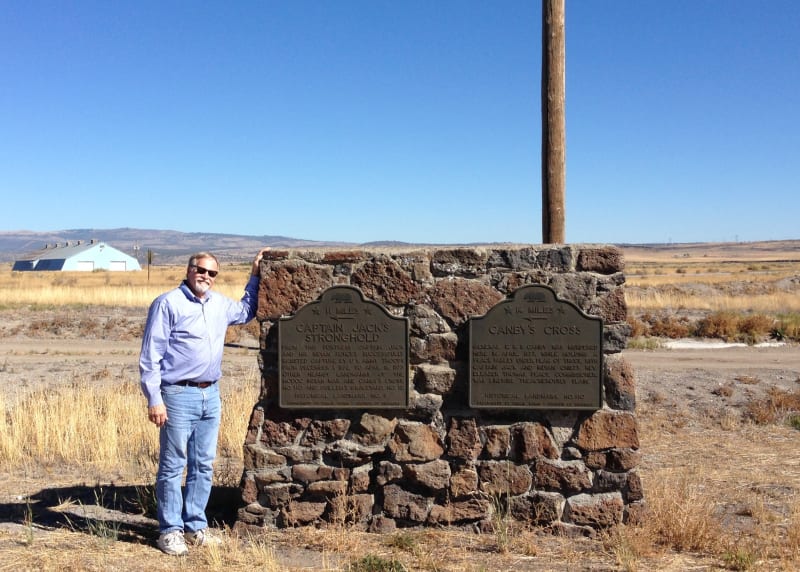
{"x":202,"y":538}
{"x":172,"y":543}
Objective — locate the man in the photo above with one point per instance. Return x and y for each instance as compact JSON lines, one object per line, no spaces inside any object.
{"x":180,"y":365}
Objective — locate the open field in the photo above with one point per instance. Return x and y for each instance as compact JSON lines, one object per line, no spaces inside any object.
{"x":718,"y":427}
{"x":740,"y":292}
{"x":720,"y":474}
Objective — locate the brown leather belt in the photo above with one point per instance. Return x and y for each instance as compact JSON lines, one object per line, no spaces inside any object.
{"x":200,"y":384}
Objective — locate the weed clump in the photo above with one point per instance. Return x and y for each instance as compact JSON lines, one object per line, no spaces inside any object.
{"x":718,"y":325}
{"x":373,"y":563}
{"x":661,"y":325}
{"x":787,"y":327}
{"x":778,"y":406}
{"x":725,"y":325}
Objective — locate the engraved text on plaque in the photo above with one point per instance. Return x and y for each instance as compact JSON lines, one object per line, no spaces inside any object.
{"x":535,"y":351}
{"x":343,"y":351}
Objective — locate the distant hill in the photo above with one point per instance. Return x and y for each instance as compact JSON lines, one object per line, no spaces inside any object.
{"x":764,"y":250}
{"x":173,"y":247}
{"x":168,"y":246}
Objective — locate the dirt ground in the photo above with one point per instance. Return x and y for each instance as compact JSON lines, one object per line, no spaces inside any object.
{"x":691,"y":377}
{"x":679,"y":391}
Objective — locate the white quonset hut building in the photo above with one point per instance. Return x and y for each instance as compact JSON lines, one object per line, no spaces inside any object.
{"x":78,"y":256}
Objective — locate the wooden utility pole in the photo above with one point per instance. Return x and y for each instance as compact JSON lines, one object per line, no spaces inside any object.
{"x":554,"y":137}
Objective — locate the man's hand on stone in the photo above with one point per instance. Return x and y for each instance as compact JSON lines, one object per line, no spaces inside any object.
{"x":257,"y":260}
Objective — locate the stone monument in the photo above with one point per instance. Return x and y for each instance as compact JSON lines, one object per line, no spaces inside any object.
{"x":444,"y":451}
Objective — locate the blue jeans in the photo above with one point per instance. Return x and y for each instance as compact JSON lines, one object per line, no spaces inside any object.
{"x":187,"y":441}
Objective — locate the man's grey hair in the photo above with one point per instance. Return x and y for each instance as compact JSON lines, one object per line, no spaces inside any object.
{"x":199,"y":256}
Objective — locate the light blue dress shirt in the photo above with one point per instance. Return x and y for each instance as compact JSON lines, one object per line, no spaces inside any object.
{"x":185,"y":336}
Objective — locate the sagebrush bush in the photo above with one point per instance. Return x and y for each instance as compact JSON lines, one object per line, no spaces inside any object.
{"x":731,"y":326}
{"x":755,"y":327}
{"x":639,"y":328}
{"x":722,"y":325}
{"x":778,"y":405}
{"x":726,"y":325}
{"x":667,"y":325}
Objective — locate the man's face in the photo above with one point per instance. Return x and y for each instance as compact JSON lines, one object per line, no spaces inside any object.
{"x":199,"y":276}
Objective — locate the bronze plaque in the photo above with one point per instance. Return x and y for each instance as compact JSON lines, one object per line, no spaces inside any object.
{"x":535,"y":351}
{"x":343,"y":351}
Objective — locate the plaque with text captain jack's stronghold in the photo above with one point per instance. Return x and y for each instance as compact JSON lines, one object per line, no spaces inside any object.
{"x":535,"y":351}
{"x":343,"y":351}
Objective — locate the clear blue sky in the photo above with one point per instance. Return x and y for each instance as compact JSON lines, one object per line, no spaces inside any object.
{"x":412,"y":120}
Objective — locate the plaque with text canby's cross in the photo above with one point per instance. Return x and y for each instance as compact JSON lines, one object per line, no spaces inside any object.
{"x":535,"y":351}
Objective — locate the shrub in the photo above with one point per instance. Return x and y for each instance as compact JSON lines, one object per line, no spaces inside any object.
{"x":732,"y":326}
{"x":638,"y":327}
{"x":718,"y":325}
{"x":787,"y":327}
{"x":778,"y":405}
{"x":739,"y":558}
{"x":643,"y":343}
{"x":682,"y":514}
{"x":373,"y":563}
{"x":755,"y":327}
{"x":668,"y":326}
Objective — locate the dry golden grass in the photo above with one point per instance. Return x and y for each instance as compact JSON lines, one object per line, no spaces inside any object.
{"x":660,"y":273}
{"x":69,"y":551}
{"x":653,"y":280}
{"x":714,"y":253}
{"x":93,"y":427}
{"x":778,"y":406}
{"x":725,"y":325}
{"x":703,"y":509}
{"x":726,"y":489}
{"x":749,"y":296}
{"x":722,"y":492}
{"x":102,"y":288}
{"x":102,"y":424}
{"x":654,"y":300}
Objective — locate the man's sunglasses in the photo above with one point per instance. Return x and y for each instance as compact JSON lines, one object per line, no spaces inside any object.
{"x":201,"y":270}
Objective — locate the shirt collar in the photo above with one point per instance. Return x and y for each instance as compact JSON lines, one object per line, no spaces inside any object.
{"x":190,"y":295}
